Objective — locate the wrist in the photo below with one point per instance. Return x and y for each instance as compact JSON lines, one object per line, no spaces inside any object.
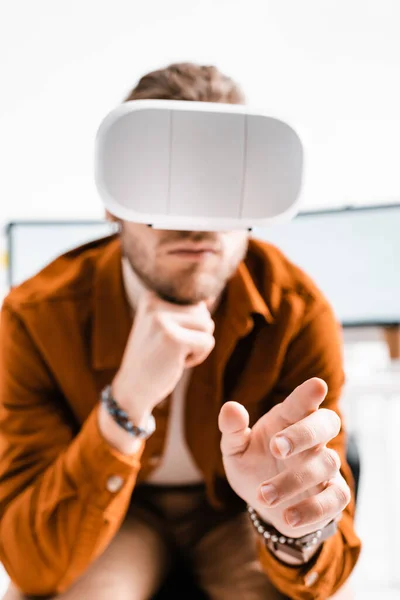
{"x":293,"y":561}
{"x":278,"y":521}
{"x":143,"y":425}
{"x":115,"y":436}
{"x":135,"y":409}
{"x":292,"y":551}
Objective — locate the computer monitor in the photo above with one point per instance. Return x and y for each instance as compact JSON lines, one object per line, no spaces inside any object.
{"x":351,"y":254}
{"x":34,"y":244}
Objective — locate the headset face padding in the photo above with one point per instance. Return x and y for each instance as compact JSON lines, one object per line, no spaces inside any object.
{"x":197,"y":165}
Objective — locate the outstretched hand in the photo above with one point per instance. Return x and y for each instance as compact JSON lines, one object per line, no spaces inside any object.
{"x":282,"y":467}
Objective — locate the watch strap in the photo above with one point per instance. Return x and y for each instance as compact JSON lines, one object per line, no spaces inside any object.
{"x":300,"y":548}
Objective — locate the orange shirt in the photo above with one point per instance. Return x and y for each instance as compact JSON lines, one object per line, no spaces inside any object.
{"x":63,"y":334}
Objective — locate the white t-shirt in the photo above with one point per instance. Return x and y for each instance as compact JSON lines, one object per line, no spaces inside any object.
{"x":177,"y":466}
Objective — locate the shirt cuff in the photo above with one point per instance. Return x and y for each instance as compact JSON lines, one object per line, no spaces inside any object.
{"x":304,"y":582}
{"x":91,"y":459}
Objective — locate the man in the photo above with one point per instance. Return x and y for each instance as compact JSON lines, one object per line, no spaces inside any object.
{"x":218,"y":437}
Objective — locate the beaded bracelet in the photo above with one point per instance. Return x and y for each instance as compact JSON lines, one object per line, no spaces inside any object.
{"x":271,"y":534}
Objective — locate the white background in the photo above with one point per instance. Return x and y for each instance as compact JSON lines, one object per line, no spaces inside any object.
{"x":330,"y":66}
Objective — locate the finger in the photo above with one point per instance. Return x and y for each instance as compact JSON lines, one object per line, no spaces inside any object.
{"x":233,"y":422}
{"x":318,"y":428}
{"x":303,"y":401}
{"x":193,"y":340}
{"x":188,"y":322}
{"x":321,"y":507}
{"x":196,"y":358}
{"x":195,"y":345}
{"x":322,"y":467}
{"x":194,"y":322}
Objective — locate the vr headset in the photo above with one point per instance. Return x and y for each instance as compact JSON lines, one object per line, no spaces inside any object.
{"x":205,"y":166}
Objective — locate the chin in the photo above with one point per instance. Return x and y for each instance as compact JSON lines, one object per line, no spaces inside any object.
{"x":183,"y":300}
{"x":188,"y":297}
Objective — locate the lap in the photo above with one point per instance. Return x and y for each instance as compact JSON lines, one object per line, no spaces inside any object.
{"x":220,"y":548}
{"x":226,"y":564}
{"x":221,"y":553}
{"x":131,"y":568}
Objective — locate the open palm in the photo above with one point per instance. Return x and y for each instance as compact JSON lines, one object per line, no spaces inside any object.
{"x":252,"y":457}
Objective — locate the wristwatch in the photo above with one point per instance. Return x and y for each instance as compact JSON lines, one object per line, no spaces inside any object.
{"x":300,"y":548}
{"x":122,"y":418}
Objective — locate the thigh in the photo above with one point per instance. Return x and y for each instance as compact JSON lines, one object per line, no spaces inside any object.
{"x":226,"y":564}
{"x":132,"y":567}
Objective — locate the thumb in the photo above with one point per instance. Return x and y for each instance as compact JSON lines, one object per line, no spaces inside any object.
{"x":233,"y":422}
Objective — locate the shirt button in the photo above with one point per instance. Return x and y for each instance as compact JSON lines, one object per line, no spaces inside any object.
{"x":115,"y":483}
{"x":154,"y":460}
{"x":311,"y":578}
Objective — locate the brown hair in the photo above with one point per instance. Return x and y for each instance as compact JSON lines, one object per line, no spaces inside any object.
{"x":188,"y":81}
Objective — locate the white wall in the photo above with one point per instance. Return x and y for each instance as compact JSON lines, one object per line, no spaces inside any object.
{"x":331,"y":66}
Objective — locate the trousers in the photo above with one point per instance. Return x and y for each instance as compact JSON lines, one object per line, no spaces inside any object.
{"x":162,"y":523}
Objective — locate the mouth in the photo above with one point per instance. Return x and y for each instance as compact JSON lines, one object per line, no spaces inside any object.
{"x":192,"y":253}
{"x":193,"y":249}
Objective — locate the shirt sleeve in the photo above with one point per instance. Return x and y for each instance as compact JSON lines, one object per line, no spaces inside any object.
{"x":57,"y":513}
{"x":316,"y":351}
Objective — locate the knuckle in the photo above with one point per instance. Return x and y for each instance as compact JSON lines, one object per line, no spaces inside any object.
{"x":308,"y":434}
{"x":342,"y":494}
{"x":318,"y":509}
{"x":298,"y":479}
{"x":168,"y":333}
{"x":276,"y":412}
{"x":333,"y":421}
{"x":331,"y":460}
{"x":336,"y":422}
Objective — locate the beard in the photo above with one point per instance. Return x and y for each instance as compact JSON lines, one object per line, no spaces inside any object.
{"x":190,"y":283}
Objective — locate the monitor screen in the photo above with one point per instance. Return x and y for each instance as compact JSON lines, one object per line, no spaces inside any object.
{"x":32,"y":245}
{"x":352,"y":256}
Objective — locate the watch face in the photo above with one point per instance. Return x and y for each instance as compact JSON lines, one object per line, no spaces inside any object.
{"x":290,"y":550}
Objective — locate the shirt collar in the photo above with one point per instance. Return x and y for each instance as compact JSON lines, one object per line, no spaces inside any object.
{"x":116,"y":289}
{"x":112,"y":315}
{"x":243,"y":300}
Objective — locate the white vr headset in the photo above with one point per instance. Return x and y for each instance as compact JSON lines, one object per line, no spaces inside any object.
{"x":203,"y":166}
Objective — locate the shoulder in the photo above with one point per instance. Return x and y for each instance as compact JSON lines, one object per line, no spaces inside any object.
{"x":68,"y":277}
{"x":282,"y":283}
